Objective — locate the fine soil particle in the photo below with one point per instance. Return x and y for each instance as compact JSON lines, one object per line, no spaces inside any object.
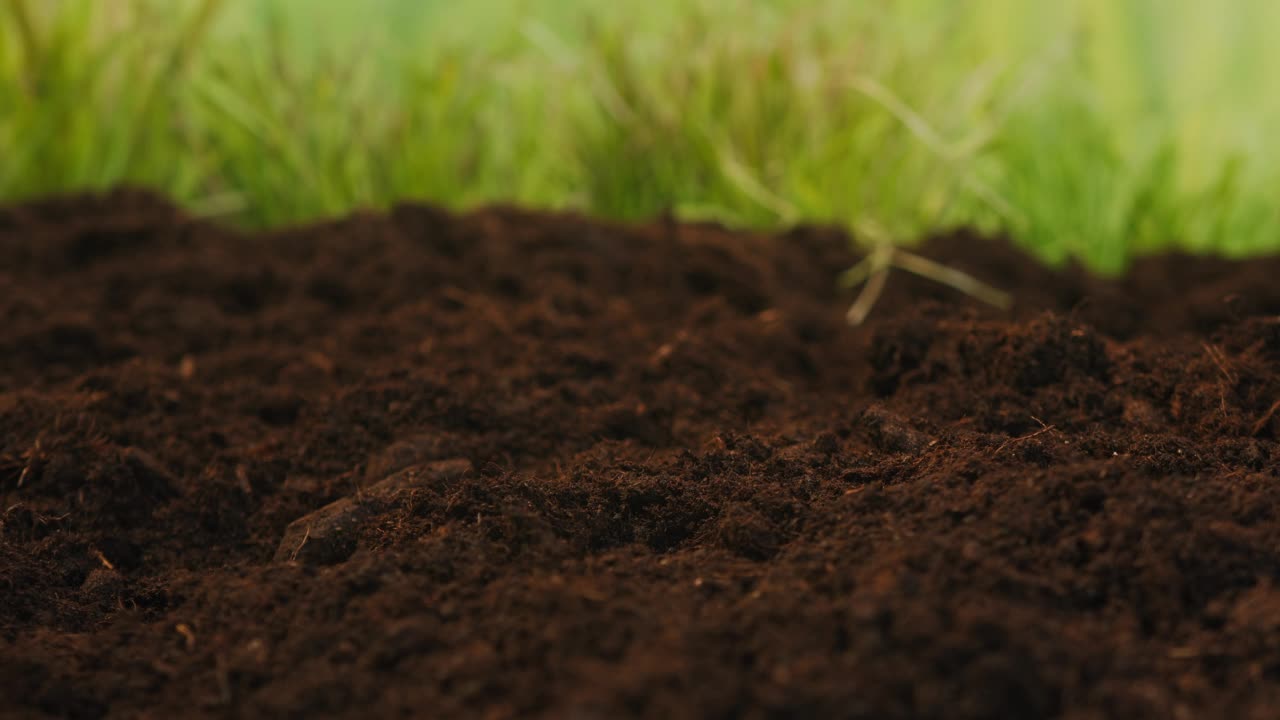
{"x":583,"y":470}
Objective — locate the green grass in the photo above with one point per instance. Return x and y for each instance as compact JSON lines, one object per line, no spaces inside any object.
{"x":1088,"y":128}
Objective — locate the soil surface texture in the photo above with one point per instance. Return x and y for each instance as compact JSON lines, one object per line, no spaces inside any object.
{"x":510,"y":464}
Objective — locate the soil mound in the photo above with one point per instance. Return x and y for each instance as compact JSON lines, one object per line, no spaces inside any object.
{"x":515,"y":464}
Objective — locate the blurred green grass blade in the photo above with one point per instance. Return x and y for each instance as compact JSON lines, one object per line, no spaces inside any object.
{"x":1087,"y":128}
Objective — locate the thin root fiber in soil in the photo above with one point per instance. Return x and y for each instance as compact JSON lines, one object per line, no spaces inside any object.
{"x":510,"y":464}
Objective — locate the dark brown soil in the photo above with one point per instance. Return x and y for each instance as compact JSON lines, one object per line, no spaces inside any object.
{"x":679,"y":485}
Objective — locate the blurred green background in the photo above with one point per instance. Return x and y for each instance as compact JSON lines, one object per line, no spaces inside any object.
{"x":1085,"y":128}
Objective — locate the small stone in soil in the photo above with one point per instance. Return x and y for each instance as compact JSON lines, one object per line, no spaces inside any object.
{"x":400,"y":455}
{"x":892,"y":433}
{"x":103,"y":585}
{"x":328,"y":535}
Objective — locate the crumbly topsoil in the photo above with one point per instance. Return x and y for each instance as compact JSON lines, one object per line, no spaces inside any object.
{"x":509,"y":464}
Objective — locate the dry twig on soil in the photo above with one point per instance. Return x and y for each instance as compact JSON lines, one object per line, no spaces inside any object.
{"x":873,"y":272}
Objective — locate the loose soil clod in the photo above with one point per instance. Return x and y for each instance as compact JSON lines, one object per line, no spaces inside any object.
{"x":550,"y":467}
{"x":329,"y":534}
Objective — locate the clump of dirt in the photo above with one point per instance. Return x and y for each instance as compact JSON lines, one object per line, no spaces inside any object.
{"x":514,"y":464}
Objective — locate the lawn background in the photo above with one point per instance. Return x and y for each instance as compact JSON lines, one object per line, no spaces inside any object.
{"x":1086,"y":128}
